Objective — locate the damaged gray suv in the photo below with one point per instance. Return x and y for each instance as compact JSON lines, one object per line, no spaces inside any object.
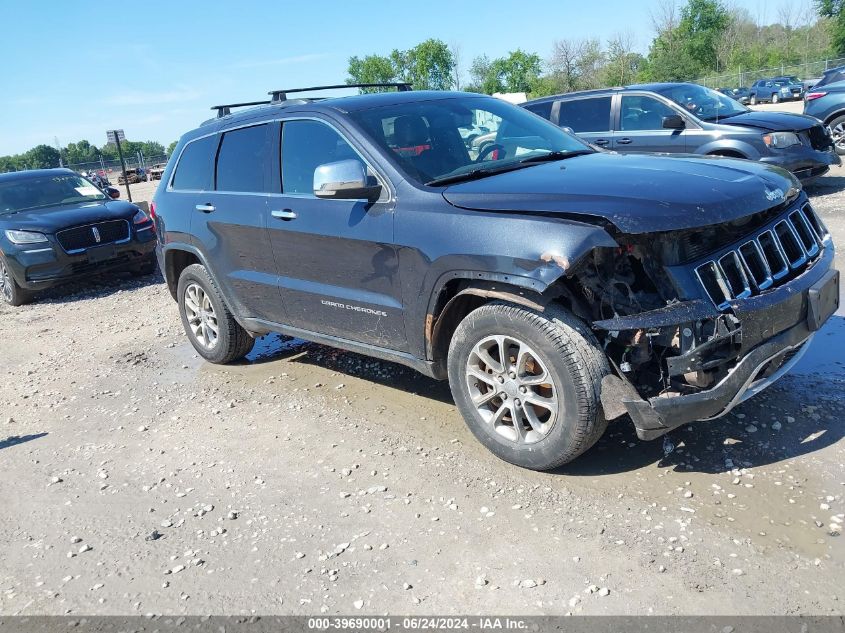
{"x":556,"y":287}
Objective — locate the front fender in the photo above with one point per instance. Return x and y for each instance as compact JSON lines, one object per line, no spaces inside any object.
{"x":746,"y":150}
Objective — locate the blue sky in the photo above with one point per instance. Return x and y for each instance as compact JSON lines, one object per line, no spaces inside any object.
{"x":72,"y":70}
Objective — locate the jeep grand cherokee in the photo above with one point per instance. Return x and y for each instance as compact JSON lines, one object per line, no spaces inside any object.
{"x":556,"y":287}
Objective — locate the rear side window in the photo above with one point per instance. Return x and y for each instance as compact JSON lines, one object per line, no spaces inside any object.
{"x":586,"y":115}
{"x":196,"y":165}
{"x":544,"y":109}
{"x":242,"y":160}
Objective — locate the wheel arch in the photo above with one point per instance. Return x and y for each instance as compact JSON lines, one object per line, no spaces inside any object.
{"x":835,"y":115}
{"x":177,"y":257}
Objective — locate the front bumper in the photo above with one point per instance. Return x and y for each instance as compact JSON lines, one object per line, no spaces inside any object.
{"x":43,"y":265}
{"x":805,"y":162}
{"x":776,"y":329}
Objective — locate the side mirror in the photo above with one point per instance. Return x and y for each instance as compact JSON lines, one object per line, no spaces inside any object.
{"x":112,"y":193}
{"x":674,"y":122}
{"x":344,"y":180}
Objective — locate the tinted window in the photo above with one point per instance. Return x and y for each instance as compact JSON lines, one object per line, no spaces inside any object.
{"x":643,"y":113}
{"x":586,"y":115}
{"x":242,"y":159}
{"x":305,"y":146}
{"x":196,"y":165}
{"x":544,"y":109}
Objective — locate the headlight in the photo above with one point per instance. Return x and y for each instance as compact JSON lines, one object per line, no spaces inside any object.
{"x":25,"y":237}
{"x":140,"y":218}
{"x":780,"y":140}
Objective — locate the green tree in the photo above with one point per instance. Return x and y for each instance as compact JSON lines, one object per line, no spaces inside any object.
{"x":370,"y":69}
{"x":42,"y":157}
{"x":834,"y":10}
{"x":427,"y":66}
{"x":172,"y":147}
{"x":518,"y":72}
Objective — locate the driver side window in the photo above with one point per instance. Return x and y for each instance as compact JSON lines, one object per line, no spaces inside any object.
{"x":643,"y":113}
{"x":307,"y":144}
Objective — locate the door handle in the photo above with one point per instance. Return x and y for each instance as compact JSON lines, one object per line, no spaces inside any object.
{"x":285,"y":214}
{"x":601,"y":141}
{"x":624,"y":141}
{"x":205,"y":208}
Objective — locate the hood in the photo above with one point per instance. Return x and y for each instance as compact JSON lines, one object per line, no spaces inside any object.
{"x":52,"y":219}
{"x":772,"y":121}
{"x":638,"y":193}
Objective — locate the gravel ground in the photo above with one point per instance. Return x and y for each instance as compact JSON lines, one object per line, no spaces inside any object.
{"x":136,"y":478}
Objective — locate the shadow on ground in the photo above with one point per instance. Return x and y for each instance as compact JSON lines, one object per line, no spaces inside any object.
{"x":14,"y":440}
{"x":96,"y":287}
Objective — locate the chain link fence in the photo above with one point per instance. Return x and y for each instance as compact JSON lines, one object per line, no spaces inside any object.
{"x":809,"y":70}
{"x":109,"y":168}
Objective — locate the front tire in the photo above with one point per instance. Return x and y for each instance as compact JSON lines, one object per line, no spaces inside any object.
{"x":528,"y":383}
{"x":10,"y":292}
{"x":837,"y":130}
{"x":775,"y":99}
{"x":207,"y":320}
{"x":752,"y":100}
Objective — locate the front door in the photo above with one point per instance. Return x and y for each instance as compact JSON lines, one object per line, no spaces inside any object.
{"x":337,"y":265}
{"x":640,"y":126}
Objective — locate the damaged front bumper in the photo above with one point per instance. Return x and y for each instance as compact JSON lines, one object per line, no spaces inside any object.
{"x":775,"y":329}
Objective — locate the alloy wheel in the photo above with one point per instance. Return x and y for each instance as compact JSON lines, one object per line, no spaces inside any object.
{"x":5,"y":282}
{"x":511,"y":389}
{"x":201,"y":316}
{"x":838,"y":134}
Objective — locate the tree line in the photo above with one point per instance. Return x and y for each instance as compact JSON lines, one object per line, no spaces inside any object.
{"x":691,"y":41}
{"x":79,"y":153}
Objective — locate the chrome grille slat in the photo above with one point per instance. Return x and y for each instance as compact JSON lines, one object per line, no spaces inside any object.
{"x":764,"y":260}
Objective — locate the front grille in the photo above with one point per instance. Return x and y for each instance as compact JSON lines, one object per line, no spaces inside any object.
{"x":765,"y":260}
{"x":82,"y":237}
{"x":819,"y":138}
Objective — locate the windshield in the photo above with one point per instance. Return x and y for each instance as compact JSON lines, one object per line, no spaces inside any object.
{"x":49,"y":191}
{"x":455,"y":138}
{"x":706,"y":104}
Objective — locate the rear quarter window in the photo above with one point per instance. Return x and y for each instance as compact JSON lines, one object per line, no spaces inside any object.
{"x":195,"y":169}
{"x":586,"y":115}
{"x":543,"y":109}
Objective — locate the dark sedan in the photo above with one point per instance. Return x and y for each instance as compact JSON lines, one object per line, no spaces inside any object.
{"x":56,"y":225}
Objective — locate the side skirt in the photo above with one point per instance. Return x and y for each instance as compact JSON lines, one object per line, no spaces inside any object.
{"x":428,"y":368}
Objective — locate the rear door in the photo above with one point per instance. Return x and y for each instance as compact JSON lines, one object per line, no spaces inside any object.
{"x":589,"y":118}
{"x":337,"y":266}
{"x":639,"y":127}
{"x":230,"y":223}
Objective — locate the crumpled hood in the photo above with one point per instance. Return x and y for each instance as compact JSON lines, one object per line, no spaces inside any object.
{"x":772,"y":121}
{"x":637,"y":193}
{"x":52,"y":219}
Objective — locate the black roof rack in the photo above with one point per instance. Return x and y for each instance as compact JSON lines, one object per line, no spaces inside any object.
{"x":281,"y":95}
{"x":223,"y":110}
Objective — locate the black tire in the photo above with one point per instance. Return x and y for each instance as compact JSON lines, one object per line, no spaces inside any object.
{"x":10,"y":292}
{"x":233,"y":342}
{"x":840,"y":146}
{"x":575,"y":362}
{"x":775,"y":98}
{"x":752,"y":100}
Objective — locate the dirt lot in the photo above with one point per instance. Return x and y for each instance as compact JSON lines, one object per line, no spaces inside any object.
{"x":136,"y":478}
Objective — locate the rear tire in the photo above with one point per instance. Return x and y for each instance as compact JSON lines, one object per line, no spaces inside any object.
{"x":752,"y":100}
{"x":775,"y":99}
{"x":10,"y":292}
{"x":542,"y":408}
{"x":207,"y":320}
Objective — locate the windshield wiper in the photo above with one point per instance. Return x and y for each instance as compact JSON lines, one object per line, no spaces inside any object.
{"x":553,"y":156}
{"x":474,"y":174}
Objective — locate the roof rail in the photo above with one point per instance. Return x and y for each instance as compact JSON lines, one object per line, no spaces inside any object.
{"x":223,"y":110}
{"x":281,"y":95}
